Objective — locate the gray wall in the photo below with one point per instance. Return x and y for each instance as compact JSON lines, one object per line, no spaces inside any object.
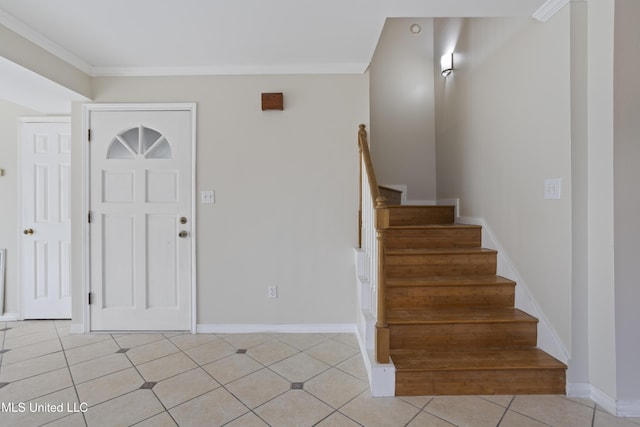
{"x":627,"y":197}
{"x":402,"y":133}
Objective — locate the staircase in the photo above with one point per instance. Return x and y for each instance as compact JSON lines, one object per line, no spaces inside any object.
{"x":452,"y":326}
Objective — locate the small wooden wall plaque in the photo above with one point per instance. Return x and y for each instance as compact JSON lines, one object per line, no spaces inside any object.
{"x":272,"y":101}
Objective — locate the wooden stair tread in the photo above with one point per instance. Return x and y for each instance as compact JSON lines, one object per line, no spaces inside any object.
{"x":470,"y":280}
{"x":489,"y":359}
{"x":439,"y":251}
{"x":434,"y":226}
{"x":422,"y":316}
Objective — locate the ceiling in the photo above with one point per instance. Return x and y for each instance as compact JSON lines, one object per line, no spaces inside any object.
{"x":177,"y":37}
{"x":208,"y":37}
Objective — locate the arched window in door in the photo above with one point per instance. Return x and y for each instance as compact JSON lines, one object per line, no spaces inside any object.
{"x":139,"y":141}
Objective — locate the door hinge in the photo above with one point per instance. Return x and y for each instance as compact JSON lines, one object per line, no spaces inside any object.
{"x":89,"y":135}
{"x":89,"y":217}
{"x":90,"y":299}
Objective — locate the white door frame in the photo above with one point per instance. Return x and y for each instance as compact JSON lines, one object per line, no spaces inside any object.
{"x":21,"y":122}
{"x":87,"y":109}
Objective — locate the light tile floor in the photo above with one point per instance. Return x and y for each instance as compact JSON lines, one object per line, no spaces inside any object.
{"x":50,"y":377}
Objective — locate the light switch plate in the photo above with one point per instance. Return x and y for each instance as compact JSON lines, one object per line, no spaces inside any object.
{"x":207,"y":196}
{"x":552,"y":188}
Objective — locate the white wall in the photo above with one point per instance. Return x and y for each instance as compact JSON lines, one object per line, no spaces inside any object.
{"x":286,"y":192}
{"x":600,"y":185}
{"x":9,"y":221}
{"x":502,"y":127}
{"x":578,"y":372}
{"x":402,"y":134}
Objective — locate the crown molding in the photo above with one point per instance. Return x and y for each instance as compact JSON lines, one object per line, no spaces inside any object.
{"x":548,"y":9}
{"x":45,"y":43}
{"x":335,"y":68}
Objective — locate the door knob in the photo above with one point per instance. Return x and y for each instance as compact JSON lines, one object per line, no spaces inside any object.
{"x":28,"y":231}
{"x":183,"y":234}
{"x":183,"y":220}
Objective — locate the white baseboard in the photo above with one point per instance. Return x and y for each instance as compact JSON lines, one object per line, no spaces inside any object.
{"x":312,"y":328}
{"x":628,"y":408}
{"x":620,"y":408}
{"x":582,"y":390}
{"x":419,"y":202}
{"x":76,"y":328}
{"x":9,"y":317}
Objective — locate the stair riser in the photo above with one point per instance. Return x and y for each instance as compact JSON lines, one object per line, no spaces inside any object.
{"x":464,"y":336}
{"x":433,"y":238}
{"x":481,"y":382}
{"x":394,"y":197}
{"x":440,"y":265}
{"x":420,"y":215}
{"x":450,"y":296}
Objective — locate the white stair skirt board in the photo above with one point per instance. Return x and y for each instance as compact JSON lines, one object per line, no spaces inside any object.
{"x":548,"y":340}
{"x":382,"y":377}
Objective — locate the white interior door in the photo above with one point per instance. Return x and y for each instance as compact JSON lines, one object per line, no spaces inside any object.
{"x":141,"y":220}
{"x":46,"y":220}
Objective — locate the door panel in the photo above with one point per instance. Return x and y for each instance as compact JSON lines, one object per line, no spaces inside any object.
{"x":140,"y":188}
{"x":46,"y":241}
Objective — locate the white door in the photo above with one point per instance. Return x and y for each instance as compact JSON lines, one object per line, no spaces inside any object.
{"x":46,"y":220}
{"x":141,"y":220}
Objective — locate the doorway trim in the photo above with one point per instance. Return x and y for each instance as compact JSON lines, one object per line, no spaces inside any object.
{"x":87,"y":109}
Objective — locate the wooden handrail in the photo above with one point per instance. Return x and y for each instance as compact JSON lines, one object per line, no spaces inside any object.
{"x":380,"y":222}
{"x":366,"y":157}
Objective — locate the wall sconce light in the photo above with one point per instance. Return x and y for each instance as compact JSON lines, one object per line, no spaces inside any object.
{"x":446,"y":64}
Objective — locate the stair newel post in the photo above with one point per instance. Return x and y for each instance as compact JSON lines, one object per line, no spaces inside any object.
{"x":382,"y":328}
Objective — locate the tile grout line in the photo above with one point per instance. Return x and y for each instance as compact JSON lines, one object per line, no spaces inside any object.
{"x":506,"y":410}
{"x":252,"y":410}
{"x":528,"y":416}
{"x":420,"y":410}
{"x":144,"y":379}
{"x":223,"y":386}
{"x":75,"y":388}
{"x":4,"y":337}
{"x":41,"y":373}
{"x":73,"y":385}
{"x":349,"y":401}
{"x":268,"y":367}
{"x":330,"y":366}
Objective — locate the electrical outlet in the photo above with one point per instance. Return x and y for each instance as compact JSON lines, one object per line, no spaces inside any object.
{"x":272,"y":292}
